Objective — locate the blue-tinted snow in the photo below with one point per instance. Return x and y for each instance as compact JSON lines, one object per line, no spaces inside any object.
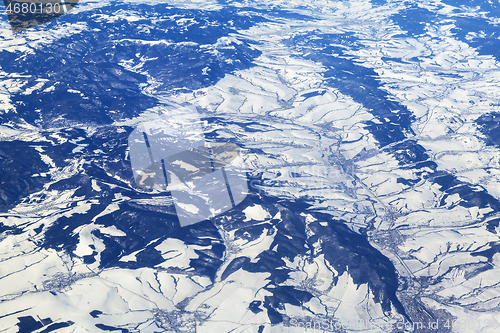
{"x":97,"y":77}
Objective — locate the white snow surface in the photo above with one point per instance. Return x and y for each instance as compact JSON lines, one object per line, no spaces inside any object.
{"x":295,"y":136}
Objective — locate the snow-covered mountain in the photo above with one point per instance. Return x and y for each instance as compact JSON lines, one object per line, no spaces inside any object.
{"x":368,"y":135}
